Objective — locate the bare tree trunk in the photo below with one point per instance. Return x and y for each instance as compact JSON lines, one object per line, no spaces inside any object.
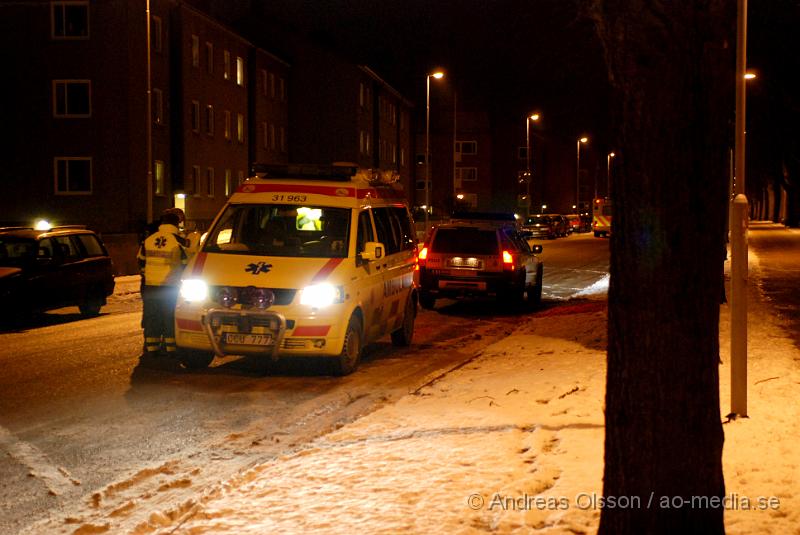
{"x":671,"y":69}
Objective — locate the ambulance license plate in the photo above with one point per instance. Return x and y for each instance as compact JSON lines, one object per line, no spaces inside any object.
{"x":248,"y":339}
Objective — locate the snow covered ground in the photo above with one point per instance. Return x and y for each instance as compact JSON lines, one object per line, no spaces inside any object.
{"x":511,"y":442}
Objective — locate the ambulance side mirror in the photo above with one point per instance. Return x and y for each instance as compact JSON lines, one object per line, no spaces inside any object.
{"x":373,"y":250}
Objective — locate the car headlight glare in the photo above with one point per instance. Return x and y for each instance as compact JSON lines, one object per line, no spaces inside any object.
{"x":194,"y":290}
{"x":321,"y":295}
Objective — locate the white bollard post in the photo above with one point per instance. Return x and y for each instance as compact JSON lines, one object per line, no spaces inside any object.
{"x":739,"y":307}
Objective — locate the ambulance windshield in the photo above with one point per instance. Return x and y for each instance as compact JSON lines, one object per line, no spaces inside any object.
{"x":281,"y":230}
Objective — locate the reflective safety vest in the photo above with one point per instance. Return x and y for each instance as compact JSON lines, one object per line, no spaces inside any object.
{"x":162,"y":257}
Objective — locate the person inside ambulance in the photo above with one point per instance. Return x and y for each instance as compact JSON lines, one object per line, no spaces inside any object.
{"x":334,"y":233}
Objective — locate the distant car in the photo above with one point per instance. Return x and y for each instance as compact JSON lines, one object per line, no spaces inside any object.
{"x":578,"y":223}
{"x":466,"y":259}
{"x":47,"y":269}
{"x":542,"y":226}
{"x":562,"y":224}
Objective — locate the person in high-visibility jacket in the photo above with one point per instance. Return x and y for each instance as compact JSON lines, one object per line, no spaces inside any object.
{"x":162,"y":257}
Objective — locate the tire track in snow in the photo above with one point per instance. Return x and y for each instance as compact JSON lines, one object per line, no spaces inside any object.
{"x":57,"y":480}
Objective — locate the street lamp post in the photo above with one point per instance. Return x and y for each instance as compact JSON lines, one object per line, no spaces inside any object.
{"x":528,"y":119}
{"x":578,"y":174}
{"x":436,"y":75}
{"x":149,"y":121}
{"x":608,"y":174}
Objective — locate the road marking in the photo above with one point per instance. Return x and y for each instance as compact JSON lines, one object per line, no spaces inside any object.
{"x":56,"y":480}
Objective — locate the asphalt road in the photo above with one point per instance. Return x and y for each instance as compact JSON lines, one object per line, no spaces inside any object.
{"x":79,"y":410}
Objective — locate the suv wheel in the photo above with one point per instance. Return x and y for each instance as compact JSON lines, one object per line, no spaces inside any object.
{"x":535,"y":292}
{"x":426,"y":300}
{"x":91,"y":306}
{"x":347,"y":362}
{"x":194,"y":359}
{"x":402,"y":336}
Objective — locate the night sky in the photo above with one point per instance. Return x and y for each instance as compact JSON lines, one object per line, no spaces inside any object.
{"x":511,"y":57}
{"x":505,"y":56}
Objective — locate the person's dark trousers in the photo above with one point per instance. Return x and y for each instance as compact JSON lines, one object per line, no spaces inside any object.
{"x":158,"y":317}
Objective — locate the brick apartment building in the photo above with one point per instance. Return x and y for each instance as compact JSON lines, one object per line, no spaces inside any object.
{"x":78,"y":152}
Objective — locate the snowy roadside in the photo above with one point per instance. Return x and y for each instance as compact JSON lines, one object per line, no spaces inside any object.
{"x":512,"y":442}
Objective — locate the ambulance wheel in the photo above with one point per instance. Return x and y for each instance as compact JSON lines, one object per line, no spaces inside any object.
{"x":347,"y":361}
{"x":195,"y":360}
{"x":402,"y":336}
{"x":426,"y":300}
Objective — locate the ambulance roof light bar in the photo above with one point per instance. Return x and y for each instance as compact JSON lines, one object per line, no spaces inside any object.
{"x":340,"y":172}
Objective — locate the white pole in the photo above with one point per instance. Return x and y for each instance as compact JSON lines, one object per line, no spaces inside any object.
{"x":149,"y":123}
{"x":578,"y":180}
{"x":427,"y":150}
{"x":739,"y":233}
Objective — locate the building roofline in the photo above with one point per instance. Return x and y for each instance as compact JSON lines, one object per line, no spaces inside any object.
{"x":372,"y":74}
{"x":230,"y":30}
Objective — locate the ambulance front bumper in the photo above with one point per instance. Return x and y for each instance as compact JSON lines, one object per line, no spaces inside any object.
{"x":278,"y":332}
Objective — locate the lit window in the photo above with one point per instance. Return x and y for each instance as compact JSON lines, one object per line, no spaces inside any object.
{"x":69,"y":20}
{"x":239,"y":71}
{"x":72,"y":98}
{"x":195,"y":51}
{"x":227,"y":125}
{"x":73,"y":176}
{"x":226,"y":65}
{"x":159,"y":189}
{"x":240,"y":128}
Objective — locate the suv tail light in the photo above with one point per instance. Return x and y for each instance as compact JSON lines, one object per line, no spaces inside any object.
{"x":508,"y":260}
{"x":423,"y":256}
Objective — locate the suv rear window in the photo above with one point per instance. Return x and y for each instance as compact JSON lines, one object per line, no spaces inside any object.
{"x":467,"y":240}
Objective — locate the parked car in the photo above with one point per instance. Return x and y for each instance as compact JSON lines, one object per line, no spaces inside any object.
{"x":47,"y":269}
{"x":542,"y":226}
{"x":574,"y":221}
{"x":562,"y":224}
{"x":469,"y":259}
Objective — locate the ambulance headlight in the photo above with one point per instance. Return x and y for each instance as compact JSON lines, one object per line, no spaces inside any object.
{"x":194,"y":290}
{"x":321,"y":295}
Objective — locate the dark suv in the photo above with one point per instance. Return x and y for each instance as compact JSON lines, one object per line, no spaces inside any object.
{"x":466,"y":259}
{"x":46,"y":269}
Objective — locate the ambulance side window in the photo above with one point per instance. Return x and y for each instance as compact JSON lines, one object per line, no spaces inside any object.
{"x":386,"y":234}
{"x":403,"y":228}
{"x":364,"y":235}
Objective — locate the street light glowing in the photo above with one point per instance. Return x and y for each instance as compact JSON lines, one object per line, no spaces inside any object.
{"x":584,"y":139}
{"x":611,"y":154}
{"x":749,"y":75}
{"x":460,"y":196}
{"x":438,"y":75}
{"x":534,"y":117}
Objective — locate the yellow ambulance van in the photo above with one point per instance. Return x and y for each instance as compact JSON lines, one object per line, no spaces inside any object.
{"x":301,"y":261}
